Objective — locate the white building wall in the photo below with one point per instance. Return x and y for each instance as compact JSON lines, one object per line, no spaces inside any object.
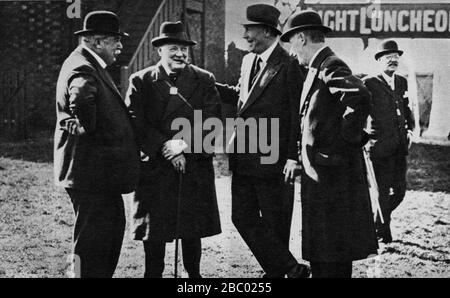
{"x":421,"y":56}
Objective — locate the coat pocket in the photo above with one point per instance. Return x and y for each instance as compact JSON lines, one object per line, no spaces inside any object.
{"x":333,"y":175}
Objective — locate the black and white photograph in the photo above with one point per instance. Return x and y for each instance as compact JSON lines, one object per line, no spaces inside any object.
{"x":225,"y":139}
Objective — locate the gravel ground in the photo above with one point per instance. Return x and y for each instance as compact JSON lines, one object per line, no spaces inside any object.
{"x":36,"y":222}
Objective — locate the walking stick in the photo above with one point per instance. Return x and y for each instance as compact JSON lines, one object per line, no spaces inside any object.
{"x":373,"y":187}
{"x":177,"y":225}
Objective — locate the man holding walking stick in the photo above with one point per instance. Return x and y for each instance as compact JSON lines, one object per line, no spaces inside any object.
{"x":390,"y":126}
{"x":176,"y":198}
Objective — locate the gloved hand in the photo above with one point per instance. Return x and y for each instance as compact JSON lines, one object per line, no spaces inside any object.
{"x":290,"y":171}
{"x":74,"y":127}
{"x":173,"y":148}
{"x":179,"y":163}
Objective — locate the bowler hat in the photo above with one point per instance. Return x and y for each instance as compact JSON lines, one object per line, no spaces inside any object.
{"x":263,"y":14}
{"x":387,"y":47}
{"x":172,"y":32}
{"x":303,"y":20}
{"x":101,"y":22}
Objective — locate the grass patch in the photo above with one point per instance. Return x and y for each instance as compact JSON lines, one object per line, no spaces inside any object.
{"x":36,"y":221}
{"x":428,"y":165}
{"x":429,"y":168}
{"x":38,"y":148}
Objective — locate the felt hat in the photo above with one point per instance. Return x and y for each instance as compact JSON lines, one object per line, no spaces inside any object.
{"x":263,"y":14}
{"x":101,"y":22}
{"x":387,"y":47}
{"x":172,"y":32}
{"x":303,"y":20}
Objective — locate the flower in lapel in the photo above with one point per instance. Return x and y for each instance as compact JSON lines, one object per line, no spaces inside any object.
{"x":323,"y":75}
{"x":267,"y":76}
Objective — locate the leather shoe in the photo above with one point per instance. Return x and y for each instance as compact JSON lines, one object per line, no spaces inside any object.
{"x":272,"y":276}
{"x":299,"y":271}
{"x":384,"y":234}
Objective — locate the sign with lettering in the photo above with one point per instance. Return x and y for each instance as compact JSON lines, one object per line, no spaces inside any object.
{"x":425,"y":20}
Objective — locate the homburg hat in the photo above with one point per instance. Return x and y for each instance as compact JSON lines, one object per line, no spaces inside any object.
{"x":265,"y":15}
{"x":303,"y":20}
{"x":172,"y":32}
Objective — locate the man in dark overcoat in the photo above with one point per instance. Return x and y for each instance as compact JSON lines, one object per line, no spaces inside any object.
{"x":262,"y":193}
{"x":390,"y":126}
{"x":95,"y":156}
{"x":337,"y":219}
{"x":158,"y":97}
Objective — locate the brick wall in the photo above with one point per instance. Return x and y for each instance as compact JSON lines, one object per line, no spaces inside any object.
{"x":37,"y":36}
{"x":215,"y":37}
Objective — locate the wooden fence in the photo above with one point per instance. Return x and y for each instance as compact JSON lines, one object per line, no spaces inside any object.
{"x":13,"y":105}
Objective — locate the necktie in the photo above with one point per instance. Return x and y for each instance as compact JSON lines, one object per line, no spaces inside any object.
{"x":256,"y":68}
{"x":173,"y":77}
{"x":391,"y":84}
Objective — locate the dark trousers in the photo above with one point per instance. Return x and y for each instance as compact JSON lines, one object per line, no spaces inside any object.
{"x":98,"y":232}
{"x":262,"y":214}
{"x":331,"y":270}
{"x":155,"y":252}
{"x":390,"y":173}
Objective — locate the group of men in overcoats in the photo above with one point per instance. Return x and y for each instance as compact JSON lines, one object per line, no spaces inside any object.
{"x":106,"y":146}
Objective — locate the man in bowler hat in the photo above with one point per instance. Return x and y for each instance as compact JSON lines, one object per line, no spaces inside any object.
{"x":336,"y":211}
{"x":390,"y":126}
{"x":158,"y":96}
{"x":95,"y":156}
{"x":263,"y":193}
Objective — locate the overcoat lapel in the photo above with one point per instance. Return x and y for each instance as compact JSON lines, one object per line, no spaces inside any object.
{"x":187,"y":83}
{"x":267,"y":74}
{"x":313,"y":74}
{"x":109,"y":81}
{"x":384,"y":83}
{"x":244,"y":79}
{"x":310,"y":78}
{"x":103,"y":74}
{"x":160,"y":79}
{"x":387,"y":89}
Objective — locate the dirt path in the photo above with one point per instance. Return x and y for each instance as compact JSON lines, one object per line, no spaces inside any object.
{"x":36,"y":220}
